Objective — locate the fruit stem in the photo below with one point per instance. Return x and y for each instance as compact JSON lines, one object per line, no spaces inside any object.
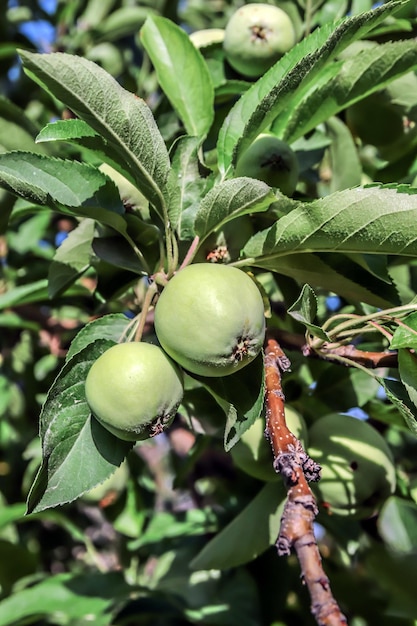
{"x":191,"y":252}
{"x":147,"y":301}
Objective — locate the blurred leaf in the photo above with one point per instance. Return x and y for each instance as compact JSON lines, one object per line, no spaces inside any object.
{"x":249,"y":534}
{"x":190,"y":92}
{"x":124,"y":120}
{"x":72,"y":258}
{"x":123,"y":22}
{"x":229,"y":199}
{"x":78,"y":453}
{"x":397,"y":524}
{"x":83,"y":597}
{"x":17,"y":131}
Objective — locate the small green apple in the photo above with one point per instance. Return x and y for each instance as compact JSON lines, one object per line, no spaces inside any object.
{"x":210,"y":319}
{"x":256,"y":36}
{"x":134,"y":390}
{"x":271,"y":160}
{"x":358,"y":472}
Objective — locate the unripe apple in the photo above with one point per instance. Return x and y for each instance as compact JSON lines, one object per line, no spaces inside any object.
{"x":256,"y":36}
{"x":253,"y":453}
{"x":272,"y":160}
{"x":210,"y":319}
{"x":358,"y":472}
{"x":134,"y":390}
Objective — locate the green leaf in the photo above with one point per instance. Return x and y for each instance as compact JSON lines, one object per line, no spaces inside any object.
{"x":80,"y":598}
{"x":111,"y":326}
{"x":64,"y":130}
{"x":249,"y":534}
{"x":229,"y":199}
{"x":121,"y":118}
{"x":122,"y":22}
{"x":397,"y":524}
{"x":371,"y":219}
{"x":72,"y":258}
{"x":407,"y":368}
{"x":190,"y":92}
{"x":57,"y":182}
{"x":344,"y":159}
{"x":405,"y":336}
{"x":355,"y":78}
{"x":240,"y":396}
{"x":78,"y":453}
{"x":304,"y":310}
{"x":398,"y":395}
{"x":319,"y":271}
{"x":187,"y":185}
{"x":288,"y":80}
{"x":17,"y":131}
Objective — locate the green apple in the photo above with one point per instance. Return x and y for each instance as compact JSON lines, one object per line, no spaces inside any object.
{"x":210,"y":319}
{"x":134,"y":390}
{"x":271,"y":160}
{"x":358,"y":472}
{"x":256,"y":36}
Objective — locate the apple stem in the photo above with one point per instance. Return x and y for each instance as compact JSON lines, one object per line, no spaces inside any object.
{"x":147,"y":301}
{"x":297,"y":469}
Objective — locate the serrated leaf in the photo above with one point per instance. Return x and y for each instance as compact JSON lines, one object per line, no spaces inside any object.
{"x":64,"y":130}
{"x":398,"y":395}
{"x":245,"y":537}
{"x":78,"y":453}
{"x":72,"y":258}
{"x":357,"y":77}
{"x":111,"y":326}
{"x":229,"y":199}
{"x":314,"y":270}
{"x":405,"y":336}
{"x":240,"y":396}
{"x":288,"y":80}
{"x":304,"y":310}
{"x":407,"y":368}
{"x":190,"y":92}
{"x":372,"y":219}
{"x":121,"y":118}
{"x":52,"y":182}
{"x":187,"y":185}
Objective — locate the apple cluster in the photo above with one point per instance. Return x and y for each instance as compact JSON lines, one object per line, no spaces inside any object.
{"x":209,"y":321}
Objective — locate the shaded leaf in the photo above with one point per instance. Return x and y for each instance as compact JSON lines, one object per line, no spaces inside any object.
{"x":397,"y":524}
{"x":249,"y":534}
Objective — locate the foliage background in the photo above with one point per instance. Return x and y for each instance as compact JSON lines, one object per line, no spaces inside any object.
{"x":121,"y":553}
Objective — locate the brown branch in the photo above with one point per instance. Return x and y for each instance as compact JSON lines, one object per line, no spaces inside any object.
{"x":297,"y":469}
{"x":372,"y":360}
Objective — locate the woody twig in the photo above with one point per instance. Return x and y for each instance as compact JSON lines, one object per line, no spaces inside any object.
{"x":297,"y":470}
